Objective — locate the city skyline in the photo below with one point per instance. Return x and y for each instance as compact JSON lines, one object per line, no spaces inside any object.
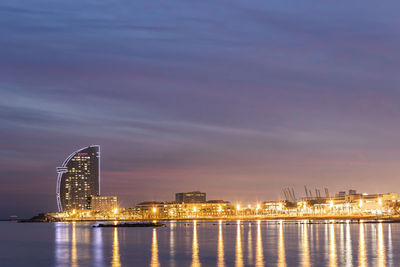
{"x":238,"y":100}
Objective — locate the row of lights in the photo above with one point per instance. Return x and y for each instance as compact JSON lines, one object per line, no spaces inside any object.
{"x":154,"y":209}
{"x":258,"y":206}
{"x":115,"y":211}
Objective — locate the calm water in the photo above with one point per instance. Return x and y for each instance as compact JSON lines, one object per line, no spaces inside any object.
{"x":263,"y":243}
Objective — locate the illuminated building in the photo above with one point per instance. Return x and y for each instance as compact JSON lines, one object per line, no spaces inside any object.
{"x":195,"y":196}
{"x":103,"y":203}
{"x":335,"y":206}
{"x":178,"y":210}
{"x":149,"y":209}
{"x":79,"y":179}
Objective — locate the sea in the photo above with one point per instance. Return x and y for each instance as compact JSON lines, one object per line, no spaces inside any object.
{"x":202,"y":243}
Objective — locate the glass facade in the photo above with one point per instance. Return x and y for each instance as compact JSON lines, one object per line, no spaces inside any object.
{"x":79,"y":179}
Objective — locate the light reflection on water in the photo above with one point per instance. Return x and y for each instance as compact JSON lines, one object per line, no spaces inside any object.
{"x":239,"y":254}
{"x":195,"y":247}
{"x":154,"y":250}
{"x":223,"y":243}
{"x":305,"y":259}
{"x":116,"y":258}
{"x":172,"y":244}
{"x":259,"y":248}
{"x":221,"y":257}
{"x":381,"y":247}
{"x":390,"y":248}
{"x":62,"y":241}
{"x":349,"y":256}
{"x":362,"y":254}
{"x":281,"y":246}
{"x":74,"y":258}
{"x":98,"y":255}
{"x":249,"y":246}
{"x":332,"y":246}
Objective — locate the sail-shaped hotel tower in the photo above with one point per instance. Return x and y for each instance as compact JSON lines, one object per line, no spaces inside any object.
{"x":79,"y":179}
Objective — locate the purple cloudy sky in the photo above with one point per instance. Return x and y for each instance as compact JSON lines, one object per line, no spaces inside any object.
{"x":234,"y":98}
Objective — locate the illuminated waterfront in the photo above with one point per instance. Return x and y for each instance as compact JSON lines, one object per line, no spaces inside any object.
{"x":341,"y":206}
{"x":216,"y":243}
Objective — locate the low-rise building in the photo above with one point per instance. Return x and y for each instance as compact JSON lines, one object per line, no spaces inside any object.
{"x":183,"y":210}
{"x":103,"y":203}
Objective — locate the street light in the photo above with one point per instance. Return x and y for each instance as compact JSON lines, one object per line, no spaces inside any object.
{"x":257,"y":208}
{"x":280,"y":207}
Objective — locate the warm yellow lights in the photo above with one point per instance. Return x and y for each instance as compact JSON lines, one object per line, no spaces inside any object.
{"x":280,"y":206}
{"x":355,"y":204}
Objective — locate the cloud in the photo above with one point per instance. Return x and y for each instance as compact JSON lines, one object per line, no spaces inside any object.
{"x":200,"y":95}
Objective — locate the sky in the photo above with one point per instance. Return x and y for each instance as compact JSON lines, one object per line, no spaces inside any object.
{"x":238,"y":99}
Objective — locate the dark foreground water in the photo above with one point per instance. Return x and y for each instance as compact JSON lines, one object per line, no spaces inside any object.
{"x":246,"y":243}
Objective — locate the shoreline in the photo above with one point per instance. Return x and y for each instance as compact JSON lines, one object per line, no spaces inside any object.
{"x":312,"y":219}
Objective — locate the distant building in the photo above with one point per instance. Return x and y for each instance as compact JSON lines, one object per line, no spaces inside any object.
{"x":195,"y":196}
{"x":78,"y":179}
{"x":183,"y":210}
{"x":103,"y":203}
{"x":352,"y":192}
{"x":341,"y":194}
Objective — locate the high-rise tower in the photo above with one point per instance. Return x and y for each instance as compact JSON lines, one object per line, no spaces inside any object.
{"x":79,"y":179}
